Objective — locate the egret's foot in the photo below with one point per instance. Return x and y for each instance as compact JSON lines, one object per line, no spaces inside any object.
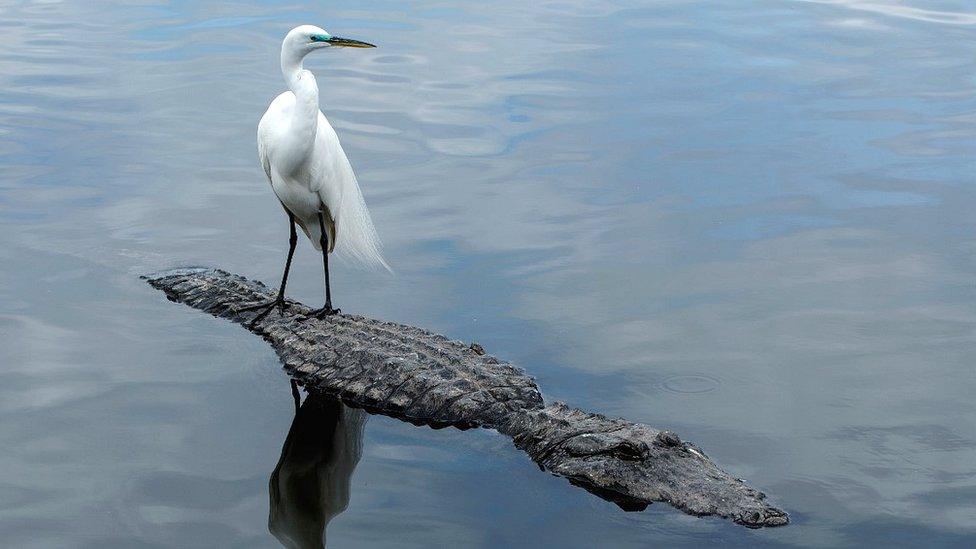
{"x":279,"y":301}
{"x":265,"y":308}
{"x":324,"y":312}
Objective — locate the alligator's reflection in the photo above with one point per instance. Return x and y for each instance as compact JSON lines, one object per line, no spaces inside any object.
{"x":310,"y":485}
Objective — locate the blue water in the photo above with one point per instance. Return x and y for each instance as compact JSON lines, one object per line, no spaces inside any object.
{"x":748,"y":221}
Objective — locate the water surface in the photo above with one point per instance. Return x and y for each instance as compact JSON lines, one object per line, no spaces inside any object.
{"x":749,"y":221}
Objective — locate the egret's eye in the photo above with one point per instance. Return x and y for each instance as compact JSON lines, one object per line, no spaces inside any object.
{"x":320,"y":38}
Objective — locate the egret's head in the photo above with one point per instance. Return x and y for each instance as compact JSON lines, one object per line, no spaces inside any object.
{"x":306,"y":38}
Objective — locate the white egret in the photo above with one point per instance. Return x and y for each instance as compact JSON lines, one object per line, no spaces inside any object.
{"x":309,"y":171}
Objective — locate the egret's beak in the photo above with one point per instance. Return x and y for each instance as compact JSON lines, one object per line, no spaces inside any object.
{"x":349,"y":43}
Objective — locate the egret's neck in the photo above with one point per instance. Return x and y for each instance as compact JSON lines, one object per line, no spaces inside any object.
{"x":301,"y":82}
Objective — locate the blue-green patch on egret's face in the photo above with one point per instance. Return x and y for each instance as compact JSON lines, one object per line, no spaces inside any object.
{"x":339,"y":42}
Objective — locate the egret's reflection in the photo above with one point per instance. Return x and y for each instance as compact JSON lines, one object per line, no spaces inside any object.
{"x":310,"y":485}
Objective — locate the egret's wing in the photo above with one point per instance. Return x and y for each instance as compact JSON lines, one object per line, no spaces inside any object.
{"x":264,"y":145}
{"x":331,"y":176}
{"x":264,"y":138}
{"x":265,"y":161}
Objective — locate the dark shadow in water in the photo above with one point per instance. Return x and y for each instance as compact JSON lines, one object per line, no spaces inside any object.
{"x":310,"y":484}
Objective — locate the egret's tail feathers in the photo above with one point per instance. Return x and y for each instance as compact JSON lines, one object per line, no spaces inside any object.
{"x":355,"y":234}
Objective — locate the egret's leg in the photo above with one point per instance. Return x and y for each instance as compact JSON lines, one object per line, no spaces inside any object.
{"x":324,"y":242}
{"x":279,"y":300}
{"x":292,"y":242}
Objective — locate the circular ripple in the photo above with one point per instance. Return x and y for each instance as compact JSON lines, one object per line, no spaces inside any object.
{"x":690,"y":384}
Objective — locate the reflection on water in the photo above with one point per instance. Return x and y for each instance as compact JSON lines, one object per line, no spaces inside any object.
{"x":748,"y":221}
{"x":311,"y":483}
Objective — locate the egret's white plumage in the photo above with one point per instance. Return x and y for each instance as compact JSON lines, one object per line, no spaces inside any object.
{"x":305,"y":163}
